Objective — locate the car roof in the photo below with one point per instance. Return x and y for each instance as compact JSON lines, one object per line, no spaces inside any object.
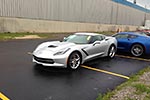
{"x":132,"y":33}
{"x":86,"y":33}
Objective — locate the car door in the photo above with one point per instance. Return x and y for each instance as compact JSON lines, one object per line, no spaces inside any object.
{"x":124,"y":41}
{"x":97,"y":46}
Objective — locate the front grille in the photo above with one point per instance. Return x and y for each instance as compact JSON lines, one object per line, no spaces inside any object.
{"x":44,"y":60}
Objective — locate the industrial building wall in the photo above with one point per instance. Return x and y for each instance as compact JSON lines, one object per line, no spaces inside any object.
{"x":94,"y":13}
{"x":86,"y":11}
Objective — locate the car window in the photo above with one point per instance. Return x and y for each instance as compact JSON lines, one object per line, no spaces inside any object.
{"x":132,"y":36}
{"x":121,"y":36}
{"x":78,"y":39}
{"x":102,"y":37}
{"x":96,"y":38}
{"x":141,"y":33}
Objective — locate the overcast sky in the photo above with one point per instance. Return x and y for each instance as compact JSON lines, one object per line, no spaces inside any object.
{"x":142,"y":3}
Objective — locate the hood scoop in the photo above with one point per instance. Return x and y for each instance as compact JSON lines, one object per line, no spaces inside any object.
{"x":52,"y":46}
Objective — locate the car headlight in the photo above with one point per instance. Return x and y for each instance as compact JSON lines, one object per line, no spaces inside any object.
{"x":62,"y":52}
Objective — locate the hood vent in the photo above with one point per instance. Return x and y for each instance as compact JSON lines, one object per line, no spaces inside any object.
{"x":52,"y":46}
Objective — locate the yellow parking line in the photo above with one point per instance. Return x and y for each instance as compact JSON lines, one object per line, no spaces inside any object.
{"x":107,"y":72}
{"x":135,"y":58}
{"x":3,"y":97}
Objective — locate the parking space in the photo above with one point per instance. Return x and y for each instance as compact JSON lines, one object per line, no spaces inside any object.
{"x":23,"y":80}
{"x":134,"y":58}
{"x":104,"y":71}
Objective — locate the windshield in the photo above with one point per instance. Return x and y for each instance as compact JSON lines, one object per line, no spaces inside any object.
{"x":78,"y":39}
{"x":141,"y":33}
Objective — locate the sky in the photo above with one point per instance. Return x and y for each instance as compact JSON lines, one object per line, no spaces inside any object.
{"x":143,"y":3}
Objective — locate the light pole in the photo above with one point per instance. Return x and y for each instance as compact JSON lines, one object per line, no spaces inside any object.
{"x":145,"y":14}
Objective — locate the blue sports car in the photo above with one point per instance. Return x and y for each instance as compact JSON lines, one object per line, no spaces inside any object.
{"x":134,"y":42}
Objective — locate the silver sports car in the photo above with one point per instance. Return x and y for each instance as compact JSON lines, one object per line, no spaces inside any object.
{"x":75,"y":50}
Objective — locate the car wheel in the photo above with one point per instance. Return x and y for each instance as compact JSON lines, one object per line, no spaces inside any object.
{"x":74,"y":61}
{"x":111,"y":51}
{"x":137,"y":50}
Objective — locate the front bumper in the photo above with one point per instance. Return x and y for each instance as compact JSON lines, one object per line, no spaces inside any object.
{"x":60,"y":61}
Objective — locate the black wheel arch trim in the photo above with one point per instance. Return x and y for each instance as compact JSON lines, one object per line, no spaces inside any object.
{"x":78,"y":53}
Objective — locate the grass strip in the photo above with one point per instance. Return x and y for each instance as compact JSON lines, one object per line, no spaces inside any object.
{"x":133,"y":82}
{"x":10,"y":36}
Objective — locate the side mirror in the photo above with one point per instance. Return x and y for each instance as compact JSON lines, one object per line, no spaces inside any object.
{"x":64,"y":39}
{"x":96,"y":42}
{"x":106,"y":39}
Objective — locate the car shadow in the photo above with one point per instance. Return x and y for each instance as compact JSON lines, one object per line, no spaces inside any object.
{"x":95,"y":63}
{"x":53,"y":71}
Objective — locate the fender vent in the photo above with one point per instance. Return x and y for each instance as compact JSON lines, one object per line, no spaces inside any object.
{"x":52,"y":46}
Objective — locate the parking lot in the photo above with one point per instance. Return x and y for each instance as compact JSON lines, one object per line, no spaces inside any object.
{"x":23,"y":80}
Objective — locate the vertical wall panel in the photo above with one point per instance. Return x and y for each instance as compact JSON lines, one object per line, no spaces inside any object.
{"x":1,"y":8}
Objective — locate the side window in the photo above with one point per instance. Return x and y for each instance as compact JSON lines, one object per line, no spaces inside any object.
{"x":101,"y":37}
{"x":96,"y":38}
{"x":132,"y":36}
{"x":121,"y":36}
{"x":93,"y":39}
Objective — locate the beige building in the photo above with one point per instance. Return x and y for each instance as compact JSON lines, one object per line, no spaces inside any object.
{"x":70,"y":15}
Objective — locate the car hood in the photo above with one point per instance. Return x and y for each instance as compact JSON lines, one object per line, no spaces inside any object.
{"x":52,"y":47}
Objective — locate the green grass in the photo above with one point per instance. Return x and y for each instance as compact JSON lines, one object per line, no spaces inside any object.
{"x":100,"y":97}
{"x":9,"y":36}
{"x":132,"y":82}
{"x":141,"y":88}
{"x":5,"y":36}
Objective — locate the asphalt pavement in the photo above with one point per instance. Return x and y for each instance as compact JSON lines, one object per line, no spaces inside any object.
{"x":20,"y":79}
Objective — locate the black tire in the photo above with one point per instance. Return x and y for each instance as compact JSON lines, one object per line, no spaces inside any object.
{"x":111,"y":52}
{"x":74,"y":61}
{"x":137,"y":50}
